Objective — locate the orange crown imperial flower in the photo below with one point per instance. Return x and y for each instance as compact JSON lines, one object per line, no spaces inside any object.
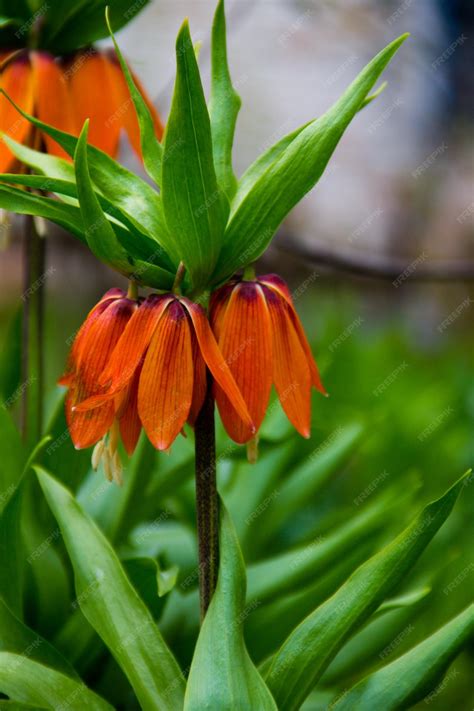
{"x":64,"y":93}
{"x":262,"y":339}
{"x":90,"y":353}
{"x":165,"y":347}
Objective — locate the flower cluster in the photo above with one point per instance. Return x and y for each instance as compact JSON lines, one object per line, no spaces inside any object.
{"x":63,"y":92}
{"x":143,"y":363}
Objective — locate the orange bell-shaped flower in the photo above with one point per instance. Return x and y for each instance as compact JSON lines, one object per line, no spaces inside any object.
{"x":64,"y":93}
{"x":263,"y":342}
{"x":170,"y":341}
{"x":89,"y":356}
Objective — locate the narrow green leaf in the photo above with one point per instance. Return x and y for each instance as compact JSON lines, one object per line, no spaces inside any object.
{"x":152,"y":150}
{"x":10,"y":360}
{"x":11,"y":544}
{"x":17,"y":638}
{"x":222,"y":675}
{"x":273,"y":620}
{"x":26,"y":203}
{"x":224,"y":105}
{"x":413,"y":676}
{"x":100,"y":236}
{"x":290,"y":177}
{"x":307,"y":652}
{"x":27,"y":681}
{"x":119,"y":185}
{"x":286,"y":571}
{"x":113,"y":607}
{"x":192,"y":200}
{"x":255,"y":171}
{"x":308,"y":478}
{"x":148,"y":263}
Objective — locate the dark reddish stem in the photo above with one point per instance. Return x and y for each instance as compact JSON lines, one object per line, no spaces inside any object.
{"x":207,"y":504}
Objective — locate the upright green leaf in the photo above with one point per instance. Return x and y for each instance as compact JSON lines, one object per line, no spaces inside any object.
{"x":413,"y":676}
{"x":113,"y":607}
{"x":27,"y":681}
{"x":294,"y":173}
{"x":152,"y":150}
{"x":307,"y":652}
{"x":192,"y":200}
{"x":224,"y":105}
{"x":222,"y":675}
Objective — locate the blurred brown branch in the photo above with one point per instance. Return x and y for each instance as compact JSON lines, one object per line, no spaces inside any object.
{"x":379,"y":267}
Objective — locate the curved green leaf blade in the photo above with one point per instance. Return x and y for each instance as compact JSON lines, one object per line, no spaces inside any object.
{"x":100,"y":236}
{"x":411,"y":677}
{"x":298,"y":169}
{"x":191,"y":197}
{"x":307,"y":652}
{"x":15,"y":637}
{"x":27,"y":681}
{"x":122,"y":187}
{"x":288,"y":570}
{"x":222,"y":675}
{"x":113,"y":607}
{"x":224,"y":105}
{"x":152,"y":150}
{"x":26,"y":203}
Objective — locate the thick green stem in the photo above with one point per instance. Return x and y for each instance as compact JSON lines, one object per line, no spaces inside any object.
{"x":32,"y":351}
{"x":207,"y":504}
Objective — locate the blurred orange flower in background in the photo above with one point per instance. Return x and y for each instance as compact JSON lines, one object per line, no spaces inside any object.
{"x":64,"y":92}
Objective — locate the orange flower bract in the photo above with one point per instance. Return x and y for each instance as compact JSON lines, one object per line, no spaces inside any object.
{"x":64,"y":93}
{"x":263,"y":342}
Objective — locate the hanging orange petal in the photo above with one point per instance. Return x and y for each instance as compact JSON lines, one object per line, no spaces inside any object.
{"x":133,"y":343}
{"x":17,"y":81}
{"x":217,"y":307}
{"x":246,"y":344}
{"x":125,"y":115}
{"x":129,"y":421}
{"x":274,"y":282}
{"x":99,"y":342}
{"x":93,"y":97}
{"x":291,"y":373}
{"x":200,"y":382}
{"x":166,"y":383}
{"x":216,"y":362}
{"x":53,"y":103}
{"x":79,"y":338}
{"x":87,"y":428}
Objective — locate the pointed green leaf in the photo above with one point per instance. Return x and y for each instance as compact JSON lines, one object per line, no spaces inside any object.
{"x":307,"y":652}
{"x":192,"y":200}
{"x":286,"y":571}
{"x":222,"y":675}
{"x":26,"y":203}
{"x":99,"y":233}
{"x":17,"y":638}
{"x":152,"y":150}
{"x":413,"y":676}
{"x":290,"y":177}
{"x":122,"y":187}
{"x":224,"y":105}
{"x":113,"y":607}
{"x":27,"y":681}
